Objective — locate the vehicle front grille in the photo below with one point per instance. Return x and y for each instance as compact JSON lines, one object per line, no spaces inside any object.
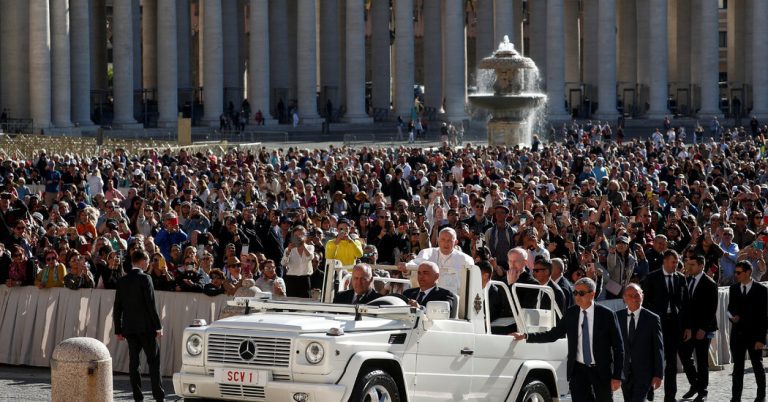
{"x":242,"y":391}
{"x":268,"y":352}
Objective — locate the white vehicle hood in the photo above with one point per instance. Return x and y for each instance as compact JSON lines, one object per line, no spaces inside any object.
{"x":297,"y":322}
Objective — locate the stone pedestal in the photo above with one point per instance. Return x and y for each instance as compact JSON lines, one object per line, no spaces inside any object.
{"x":508,"y":132}
{"x":81,"y":370}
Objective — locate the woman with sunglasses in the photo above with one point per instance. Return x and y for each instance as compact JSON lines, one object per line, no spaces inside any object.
{"x":21,"y":270}
{"x":110,"y":272}
{"x":53,"y":272}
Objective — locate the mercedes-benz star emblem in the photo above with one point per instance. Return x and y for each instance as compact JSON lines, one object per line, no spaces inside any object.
{"x":247,"y":350}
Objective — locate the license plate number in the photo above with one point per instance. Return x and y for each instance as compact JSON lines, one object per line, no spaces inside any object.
{"x":240,"y":376}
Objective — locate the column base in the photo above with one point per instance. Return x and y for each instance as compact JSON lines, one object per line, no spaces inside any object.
{"x":87,"y":128}
{"x":310,"y":120}
{"x":127,"y":124}
{"x":709,"y":114}
{"x":658,"y":115}
{"x":168,"y":124}
{"x":609,"y":117}
{"x":39,"y":128}
{"x":760,"y":115}
{"x":63,"y":124}
{"x":359,"y":119}
{"x":559,"y":117}
{"x":455,"y":118}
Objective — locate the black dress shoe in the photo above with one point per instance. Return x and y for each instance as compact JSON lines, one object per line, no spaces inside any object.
{"x":691,"y":392}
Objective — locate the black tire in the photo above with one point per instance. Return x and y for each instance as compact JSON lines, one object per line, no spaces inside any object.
{"x":534,"y":391}
{"x":375,"y":384}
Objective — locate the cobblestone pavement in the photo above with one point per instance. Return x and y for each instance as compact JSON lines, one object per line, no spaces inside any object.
{"x":34,"y":384}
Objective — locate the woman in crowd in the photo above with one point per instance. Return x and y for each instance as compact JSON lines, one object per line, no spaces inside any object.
{"x":22,"y":269}
{"x":53,"y":272}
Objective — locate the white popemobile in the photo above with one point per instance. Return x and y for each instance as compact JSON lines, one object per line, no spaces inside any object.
{"x":299,"y":351}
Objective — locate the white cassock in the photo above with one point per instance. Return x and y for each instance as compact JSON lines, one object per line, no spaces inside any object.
{"x":450,"y":266}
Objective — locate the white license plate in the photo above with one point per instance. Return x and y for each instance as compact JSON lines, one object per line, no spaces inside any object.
{"x":240,"y":376}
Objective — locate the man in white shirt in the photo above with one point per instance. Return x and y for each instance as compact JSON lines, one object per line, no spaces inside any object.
{"x":297,"y":262}
{"x":448,"y":258}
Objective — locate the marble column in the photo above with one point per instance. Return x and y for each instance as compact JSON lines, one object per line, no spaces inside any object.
{"x":213,"y":74}
{"x":122,"y":53}
{"x":433,"y":54}
{"x":331,"y":53}
{"x":606,"y":60}
{"x":138,"y":81}
{"x":709,"y":59}
{"x":167,"y":64}
{"x":381,"y":55}
{"x":626,"y":73}
{"x":737,"y":24}
{"x":517,"y":24}
{"x":233,"y":82}
{"x":404,"y":59}
{"x":658,"y":63}
{"x":682,"y":53}
{"x":98,"y":45}
{"x":455,"y":61}
{"x":356,"y":62}
{"x":556,"y":61}
{"x":643,"y":54}
{"x":306,"y":54}
{"x":40,"y":64}
{"x":258,"y":62}
{"x":589,"y":48}
{"x":572,"y":60}
{"x":505,"y":22}
{"x":278,"y":55}
{"x":80,"y":62}
{"x":759,"y":60}
{"x":183,"y":41}
{"x":537,"y":28}
{"x":149,"y":43}
{"x":61,"y":85}
{"x":485,"y":37}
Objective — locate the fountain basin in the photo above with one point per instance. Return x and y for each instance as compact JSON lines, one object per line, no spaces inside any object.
{"x":507,"y":102}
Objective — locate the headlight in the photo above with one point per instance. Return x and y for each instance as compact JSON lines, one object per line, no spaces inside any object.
{"x":194,"y":345}
{"x":314,"y":353}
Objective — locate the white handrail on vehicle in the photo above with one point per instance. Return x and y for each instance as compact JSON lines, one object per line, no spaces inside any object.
{"x":257,"y":304}
{"x":541,"y":288}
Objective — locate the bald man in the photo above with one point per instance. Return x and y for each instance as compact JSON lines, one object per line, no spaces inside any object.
{"x":428,"y":275}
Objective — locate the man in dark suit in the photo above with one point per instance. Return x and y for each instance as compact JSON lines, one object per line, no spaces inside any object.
{"x":747,"y":311}
{"x":517,"y":260}
{"x":665,"y":291}
{"x":498,"y":302}
{"x":136,"y":320}
{"x":699,"y":326}
{"x":428,"y":275}
{"x":643,"y":346}
{"x":362,"y":292}
{"x":558,"y":270}
{"x":542,"y":273}
{"x":595,"y":347}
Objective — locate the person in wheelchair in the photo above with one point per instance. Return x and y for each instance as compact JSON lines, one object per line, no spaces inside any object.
{"x":362,"y":290}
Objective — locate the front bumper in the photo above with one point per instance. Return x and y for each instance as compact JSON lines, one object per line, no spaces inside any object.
{"x":206,"y":387}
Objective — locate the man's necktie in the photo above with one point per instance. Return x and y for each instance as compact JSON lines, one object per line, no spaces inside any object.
{"x":744,"y":290}
{"x":631,"y":332}
{"x":420,"y":298}
{"x":355,"y":299}
{"x":586,"y":344}
{"x":691,"y":284}
{"x":670,"y":289}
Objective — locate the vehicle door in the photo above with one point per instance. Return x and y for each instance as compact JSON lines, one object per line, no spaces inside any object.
{"x":444,"y":360}
{"x":497,"y":358}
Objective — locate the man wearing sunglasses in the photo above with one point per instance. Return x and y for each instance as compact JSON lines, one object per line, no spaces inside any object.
{"x":747,"y":302}
{"x":595,"y":346}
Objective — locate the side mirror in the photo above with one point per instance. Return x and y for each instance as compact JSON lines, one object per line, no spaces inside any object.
{"x":438,"y":310}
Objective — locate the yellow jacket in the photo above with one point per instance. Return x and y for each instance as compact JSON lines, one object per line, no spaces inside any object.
{"x":346,"y":251}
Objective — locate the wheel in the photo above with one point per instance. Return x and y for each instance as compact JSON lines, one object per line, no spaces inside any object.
{"x":534,"y":391}
{"x":376,"y":386}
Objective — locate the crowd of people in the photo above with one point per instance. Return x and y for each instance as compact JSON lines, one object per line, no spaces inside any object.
{"x":585,"y":206}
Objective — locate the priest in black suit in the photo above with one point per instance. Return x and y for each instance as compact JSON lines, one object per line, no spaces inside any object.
{"x":136,"y":320}
{"x":699,"y":320}
{"x":664,"y":292}
{"x":643,"y":346}
{"x":595,"y":346}
{"x":362,"y":290}
{"x":428,"y":275}
{"x":747,"y":311}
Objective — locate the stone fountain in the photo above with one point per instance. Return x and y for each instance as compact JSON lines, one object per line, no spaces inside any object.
{"x":515,"y":99}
